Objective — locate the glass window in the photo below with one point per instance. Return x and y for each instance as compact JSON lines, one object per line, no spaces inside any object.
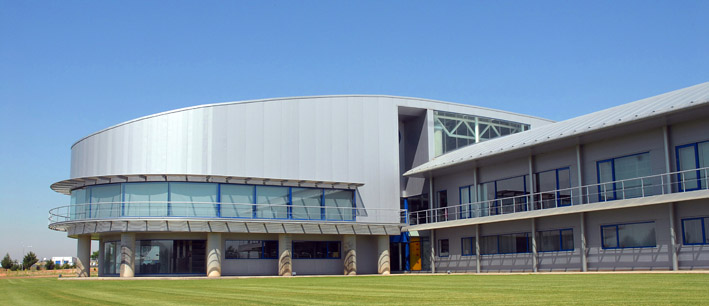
{"x":111,"y":257}
{"x":316,"y":249}
{"x":510,"y":192}
{"x":488,"y":245}
{"x":555,"y":240}
{"x":193,"y":199}
{"x":619,"y":173}
{"x":513,"y":243}
{"x":629,"y":235}
{"x":443,"y":250}
{"x":153,"y":256}
{"x":552,"y":188}
{"x":695,"y":231}
{"x":251,"y":249}
{"x":80,"y":200}
{"x":307,"y":203}
{"x":272,"y":202}
{"x":339,"y":205}
{"x":468,"y":246}
{"x":692,"y":156}
{"x":465,"y":197}
{"x":145,"y":199}
{"x":454,"y":130}
{"x":106,"y":201}
{"x":237,"y":201}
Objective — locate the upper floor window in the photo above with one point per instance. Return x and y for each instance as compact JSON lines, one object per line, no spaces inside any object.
{"x":552,"y":188}
{"x":623,"y":169}
{"x":509,"y":192}
{"x":692,"y":156}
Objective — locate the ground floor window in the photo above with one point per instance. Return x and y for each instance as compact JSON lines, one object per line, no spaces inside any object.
{"x":111,"y":257}
{"x":695,"y":231}
{"x":251,"y":249}
{"x":555,"y":240}
{"x":170,"y":257}
{"x":443,"y":248}
{"x":467,"y":245}
{"x":316,"y":249}
{"x":634,"y":235}
{"x":505,"y":244}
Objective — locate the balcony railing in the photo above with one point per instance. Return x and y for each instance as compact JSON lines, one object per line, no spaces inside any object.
{"x":640,"y":187}
{"x":161,"y":210}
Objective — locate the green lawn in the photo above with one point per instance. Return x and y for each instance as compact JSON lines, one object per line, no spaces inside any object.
{"x":639,"y":289}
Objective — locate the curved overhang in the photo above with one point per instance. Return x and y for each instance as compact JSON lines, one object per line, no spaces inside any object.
{"x":66,"y":186}
{"x":201,"y":225}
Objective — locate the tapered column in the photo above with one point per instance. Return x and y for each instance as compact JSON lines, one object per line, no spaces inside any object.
{"x":101,"y":256}
{"x":285,"y":249}
{"x":214,"y":255}
{"x":673,"y":238}
{"x":127,"y":254}
{"x":83,"y":254}
{"x":384,"y":262}
{"x":584,"y":251}
{"x":350,"y":246}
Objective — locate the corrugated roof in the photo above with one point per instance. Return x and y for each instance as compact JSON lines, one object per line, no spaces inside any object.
{"x":635,"y":111}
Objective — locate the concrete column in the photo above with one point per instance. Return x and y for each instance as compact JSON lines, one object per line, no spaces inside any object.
{"x":477,"y":248}
{"x":214,"y":255}
{"x":535,"y":255}
{"x":101,"y":256}
{"x":530,"y":183}
{"x":580,"y":175}
{"x":83,"y":254}
{"x":433,"y":250}
{"x":285,"y":249}
{"x":673,"y":238}
{"x":384,"y":262}
{"x":349,"y":242}
{"x":666,"y":140}
{"x":127,"y":254}
{"x":584,"y":251}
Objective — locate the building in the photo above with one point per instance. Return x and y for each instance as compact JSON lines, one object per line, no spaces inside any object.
{"x":342,"y":184}
{"x":620,"y":189}
{"x":60,"y":261}
{"x":309,"y":185}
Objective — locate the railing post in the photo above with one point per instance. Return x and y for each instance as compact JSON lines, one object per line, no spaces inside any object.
{"x":642,"y":187}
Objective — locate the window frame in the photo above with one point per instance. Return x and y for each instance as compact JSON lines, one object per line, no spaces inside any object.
{"x":261,"y":254}
{"x":695,"y":146}
{"x":559,"y":199}
{"x":561,"y":240}
{"x":617,"y":236}
{"x":470,"y":243}
{"x":613,"y":176}
{"x":327,"y":248}
{"x":704,"y":231}
{"x":497,"y":241}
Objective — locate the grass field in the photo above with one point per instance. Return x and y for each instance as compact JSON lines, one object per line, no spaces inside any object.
{"x":639,"y":289}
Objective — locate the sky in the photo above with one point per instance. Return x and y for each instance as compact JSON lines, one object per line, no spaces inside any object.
{"x":70,"y":68}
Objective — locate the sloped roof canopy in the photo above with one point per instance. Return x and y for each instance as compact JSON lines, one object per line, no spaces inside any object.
{"x":691,"y":101}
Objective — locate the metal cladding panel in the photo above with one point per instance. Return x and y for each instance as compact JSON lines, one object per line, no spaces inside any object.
{"x":157,"y":226}
{"x":256,"y":227}
{"x":198,"y":226}
{"x":331,"y":138}
{"x":89,"y":227}
{"x":361,"y":229}
{"x":293,"y":228}
{"x":218,"y":227}
{"x":119,"y":226}
{"x":137,"y":226}
{"x":275,"y":228}
{"x":235,"y":227}
{"x":104,"y":226}
{"x":345,"y":229}
{"x":328,"y":229}
{"x":377,"y":230}
{"x":178,"y":226}
{"x":311,"y":229}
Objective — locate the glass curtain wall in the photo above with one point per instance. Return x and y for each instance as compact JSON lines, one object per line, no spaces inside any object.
{"x":339,"y":205}
{"x":237,"y":201}
{"x":111,"y":257}
{"x":170,"y":257}
{"x":145,"y":199}
{"x":307,"y":203}
{"x":193,"y":199}
{"x":272,"y":202}
{"x":106,"y":201}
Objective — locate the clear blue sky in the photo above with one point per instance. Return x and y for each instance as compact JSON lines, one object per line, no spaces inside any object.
{"x":70,"y":68}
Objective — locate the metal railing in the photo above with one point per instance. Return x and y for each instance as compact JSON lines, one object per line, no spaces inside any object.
{"x":212,"y":210}
{"x":640,"y":187}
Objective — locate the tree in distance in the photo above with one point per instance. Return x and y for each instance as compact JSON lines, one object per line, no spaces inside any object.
{"x":29,"y":260}
{"x":7,"y":261}
{"x":94,"y":255}
{"x":49,"y":265}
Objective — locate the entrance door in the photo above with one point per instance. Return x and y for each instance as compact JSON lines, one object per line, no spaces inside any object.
{"x":415,"y":253}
